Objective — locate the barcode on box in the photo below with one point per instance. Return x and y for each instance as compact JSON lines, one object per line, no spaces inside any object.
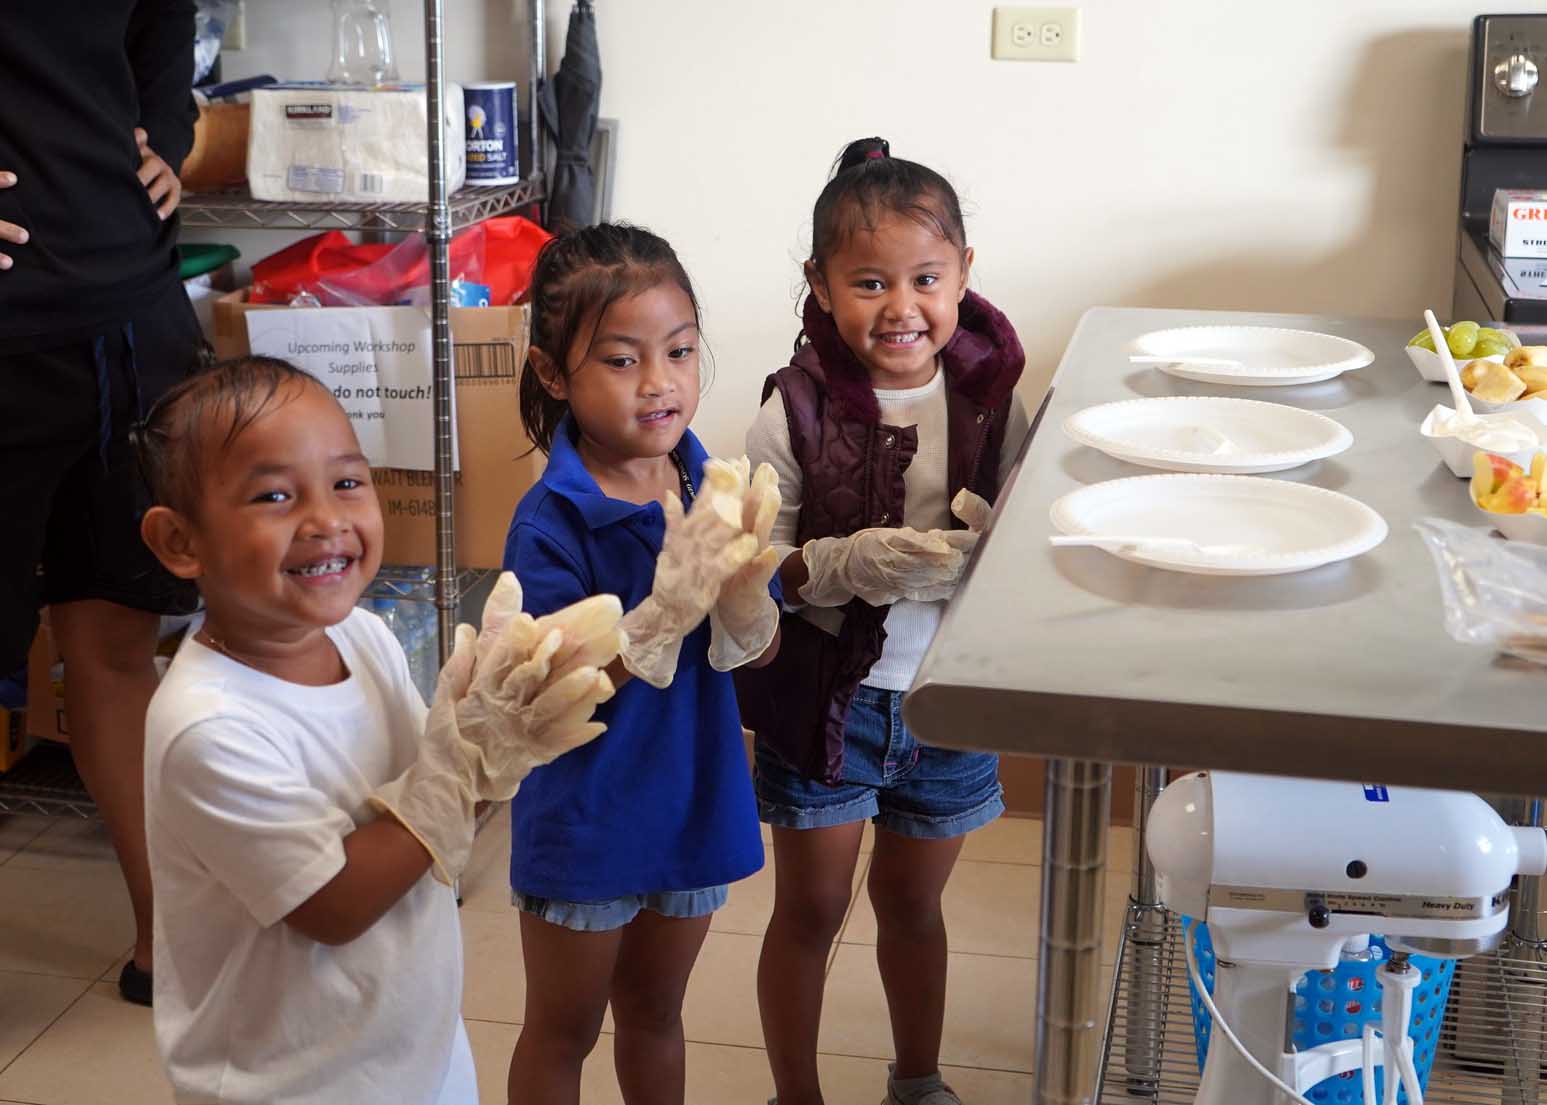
{"x":491,"y":360}
{"x":372,"y":183}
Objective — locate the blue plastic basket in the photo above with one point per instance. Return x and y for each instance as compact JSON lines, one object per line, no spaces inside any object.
{"x":1336,"y":1005}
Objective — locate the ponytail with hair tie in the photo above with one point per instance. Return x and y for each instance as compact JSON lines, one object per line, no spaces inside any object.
{"x":860,"y":151}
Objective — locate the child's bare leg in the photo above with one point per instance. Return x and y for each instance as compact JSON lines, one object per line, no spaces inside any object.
{"x":568,"y":976}
{"x":813,"y":880}
{"x":648,"y":985}
{"x":907,"y":877}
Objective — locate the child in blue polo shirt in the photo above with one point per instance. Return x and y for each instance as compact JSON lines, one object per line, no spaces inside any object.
{"x":623,"y":849}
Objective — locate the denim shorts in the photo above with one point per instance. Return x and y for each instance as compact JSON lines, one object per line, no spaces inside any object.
{"x":614,"y":913}
{"x":907,"y":788}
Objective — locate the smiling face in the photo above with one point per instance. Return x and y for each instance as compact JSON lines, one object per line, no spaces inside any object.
{"x":633,"y":386}
{"x":893,"y":292}
{"x":286,"y":532}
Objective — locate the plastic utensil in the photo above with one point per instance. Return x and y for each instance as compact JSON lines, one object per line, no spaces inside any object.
{"x":1211,"y":362}
{"x":1452,"y":374}
{"x":1182,"y":544}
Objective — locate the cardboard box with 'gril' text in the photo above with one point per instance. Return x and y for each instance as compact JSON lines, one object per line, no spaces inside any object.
{"x":1517,"y":225}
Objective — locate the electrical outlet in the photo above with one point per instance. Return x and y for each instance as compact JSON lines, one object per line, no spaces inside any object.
{"x":1036,"y":34}
{"x":235,"y":37}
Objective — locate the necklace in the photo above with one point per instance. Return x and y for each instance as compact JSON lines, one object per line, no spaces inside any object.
{"x":216,"y":643}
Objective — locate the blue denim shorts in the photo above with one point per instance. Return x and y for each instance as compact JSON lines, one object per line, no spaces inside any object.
{"x":907,"y":788}
{"x":614,"y":913}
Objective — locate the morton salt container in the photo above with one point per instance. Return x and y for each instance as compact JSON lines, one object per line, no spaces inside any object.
{"x":492,"y":139}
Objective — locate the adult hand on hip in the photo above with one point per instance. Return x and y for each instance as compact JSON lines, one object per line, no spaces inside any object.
{"x":161,"y":183}
{"x":9,"y":232}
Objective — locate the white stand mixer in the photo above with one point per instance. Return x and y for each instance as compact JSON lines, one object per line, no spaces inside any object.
{"x":1289,"y":872}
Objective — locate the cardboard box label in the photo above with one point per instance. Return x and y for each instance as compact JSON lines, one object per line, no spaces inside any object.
{"x":498,"y":463}
{"x":376,"y":362}
{"x":1517,"y":224}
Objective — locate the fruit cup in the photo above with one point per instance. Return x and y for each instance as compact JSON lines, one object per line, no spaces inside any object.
{"x":1468,"y":342}
{"x":1510,"y":497}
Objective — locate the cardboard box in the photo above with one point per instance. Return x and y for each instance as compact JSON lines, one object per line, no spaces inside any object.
{"x":45,"y":688}
{"x":1517,"y":225}
{"x":498,"y":462}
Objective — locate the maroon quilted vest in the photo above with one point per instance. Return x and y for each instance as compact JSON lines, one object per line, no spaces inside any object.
{"x":852,"y":469}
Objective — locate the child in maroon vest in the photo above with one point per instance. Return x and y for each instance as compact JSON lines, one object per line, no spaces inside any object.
{"x":897,"y":411}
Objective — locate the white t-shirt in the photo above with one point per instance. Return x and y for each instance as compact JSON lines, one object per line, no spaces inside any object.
{"x":251,"y":785}
{"x":910,"y":626}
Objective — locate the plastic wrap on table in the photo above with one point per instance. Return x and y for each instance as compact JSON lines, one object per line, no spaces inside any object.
{"x":1494,"y":591}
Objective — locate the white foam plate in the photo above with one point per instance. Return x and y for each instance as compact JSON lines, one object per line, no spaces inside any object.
{"x":1296,"y":525}
{"x":1208,"y":434}
{"x":1270,"y":356}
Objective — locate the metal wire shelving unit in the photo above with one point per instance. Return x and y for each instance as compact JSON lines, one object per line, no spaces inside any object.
{"x":45,"y":782}
{"x":237,"y":210}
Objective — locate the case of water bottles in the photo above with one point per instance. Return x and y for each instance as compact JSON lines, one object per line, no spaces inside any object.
{"x":403,"y":597}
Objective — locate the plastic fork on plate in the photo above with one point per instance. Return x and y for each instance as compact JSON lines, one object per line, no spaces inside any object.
{"x":1177,"y":544}
{"x":1201,"y":362}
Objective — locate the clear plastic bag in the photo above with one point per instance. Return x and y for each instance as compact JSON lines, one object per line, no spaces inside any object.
{"x":1495,"y":591}
{"x":210,"y":20}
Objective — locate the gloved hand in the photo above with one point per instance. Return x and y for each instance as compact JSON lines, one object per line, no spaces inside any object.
{"x":434,"y":798}
{"x":498,"y":712}
{"x":973,"y":509}
{"x":703,"y":549}
{"x":884,"y":565}
{"x":742,"y":624}
{"x":880,"y":566}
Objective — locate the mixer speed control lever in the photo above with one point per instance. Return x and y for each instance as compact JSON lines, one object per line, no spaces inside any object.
{"x":1316,"y":911}
{"x":1515,"y":76}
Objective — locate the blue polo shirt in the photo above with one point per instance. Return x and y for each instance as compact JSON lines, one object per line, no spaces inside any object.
{"x":662,"y":800}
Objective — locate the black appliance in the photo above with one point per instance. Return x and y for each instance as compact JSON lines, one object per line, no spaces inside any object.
{"x":1506,"y":147}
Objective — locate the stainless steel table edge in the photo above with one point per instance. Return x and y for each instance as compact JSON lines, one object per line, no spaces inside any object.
{"x":1181,"y":733}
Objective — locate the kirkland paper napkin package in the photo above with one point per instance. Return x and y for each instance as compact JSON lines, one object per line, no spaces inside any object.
{"x":322,"y":143}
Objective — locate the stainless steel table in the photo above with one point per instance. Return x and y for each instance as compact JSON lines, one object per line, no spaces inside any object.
{"x":1342,"y":672}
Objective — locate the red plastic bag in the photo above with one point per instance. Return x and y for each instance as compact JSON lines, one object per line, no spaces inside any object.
{"x":280,"y":277}
{"x":510,"y":254}
{"x":499,"y":253}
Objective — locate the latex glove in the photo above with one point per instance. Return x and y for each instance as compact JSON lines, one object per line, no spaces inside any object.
{"x":973,"y":509}
{"x":10,"y":232}
{"x":743,"y":623}
{"x":434,"y":798}
{"x":703,"y":548}
{"x":536,"y":684}
{"x":880,"y":566}
{"x":544,"y":707}
{"x":498,"y":712}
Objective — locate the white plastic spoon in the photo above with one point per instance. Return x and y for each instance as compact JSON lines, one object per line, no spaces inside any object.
{"x":1452,"y":375}
{"x":1181,"y":544}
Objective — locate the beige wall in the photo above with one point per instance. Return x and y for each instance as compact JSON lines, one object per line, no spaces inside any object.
{"x":1294,"y":157}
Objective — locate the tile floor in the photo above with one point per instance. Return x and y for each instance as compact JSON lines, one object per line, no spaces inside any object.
{"x":67,"y":1039}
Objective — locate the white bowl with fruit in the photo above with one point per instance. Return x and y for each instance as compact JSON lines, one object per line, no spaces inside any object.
{"x":1512,"y":498}
{"x":1467,"y":341}
{"x":1518,"y":383}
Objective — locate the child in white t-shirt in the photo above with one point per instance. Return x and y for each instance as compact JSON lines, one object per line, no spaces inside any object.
{"x":305,"y":812}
